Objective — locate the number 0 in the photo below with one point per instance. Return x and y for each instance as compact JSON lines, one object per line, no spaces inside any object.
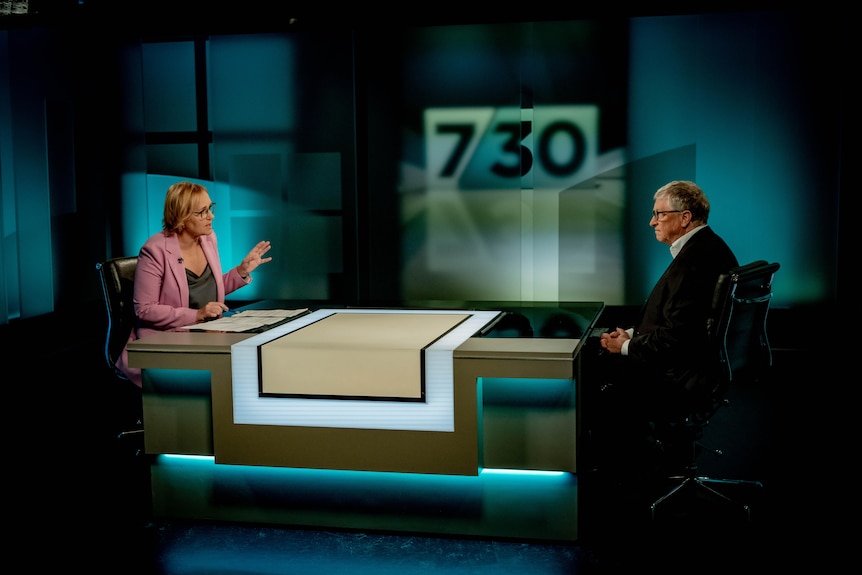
{"x":578,"y":153}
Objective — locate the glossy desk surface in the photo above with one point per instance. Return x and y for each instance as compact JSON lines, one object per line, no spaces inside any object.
{"x":525,"y":320}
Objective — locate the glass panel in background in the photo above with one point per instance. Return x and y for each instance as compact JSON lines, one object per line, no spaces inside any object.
{"x":169,"y":87}
{"x":178,"y":159}
{"x":282,"y":133}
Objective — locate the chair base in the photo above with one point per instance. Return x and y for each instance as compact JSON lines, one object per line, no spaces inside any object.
{"x":704,"y":484}
{"x":136,"y":434}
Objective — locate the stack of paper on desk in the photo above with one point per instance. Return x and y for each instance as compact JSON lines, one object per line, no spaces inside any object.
{"x":248,"y":320}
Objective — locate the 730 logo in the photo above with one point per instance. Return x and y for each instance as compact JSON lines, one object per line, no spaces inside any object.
{"x":493,"y":148}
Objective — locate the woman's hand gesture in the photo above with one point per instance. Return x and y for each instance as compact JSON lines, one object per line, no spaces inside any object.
{"x":254,"y":258}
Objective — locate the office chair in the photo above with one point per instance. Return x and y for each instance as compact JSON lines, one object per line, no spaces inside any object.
{"x":118,"y":277}
{"x":737,"y":330}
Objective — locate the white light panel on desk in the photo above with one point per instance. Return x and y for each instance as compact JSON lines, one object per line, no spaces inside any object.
{"x":435,"y":414}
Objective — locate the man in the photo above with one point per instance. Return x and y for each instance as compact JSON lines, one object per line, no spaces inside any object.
{"x":663,"y":365}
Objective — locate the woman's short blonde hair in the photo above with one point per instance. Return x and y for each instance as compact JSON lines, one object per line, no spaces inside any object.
{"x":180,"y":203}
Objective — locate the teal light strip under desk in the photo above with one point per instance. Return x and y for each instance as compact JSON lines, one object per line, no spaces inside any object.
{"x":496,"y":503}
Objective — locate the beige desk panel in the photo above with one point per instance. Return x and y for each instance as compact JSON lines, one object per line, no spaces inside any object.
{"x":151,"y":350}
{"x":181,"y":423}
{"x":354,"y":355}
{"x":455,"y":453}
{"x":519,"y":439}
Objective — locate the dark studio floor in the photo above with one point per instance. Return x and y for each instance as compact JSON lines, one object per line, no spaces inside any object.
{"x":91,"y":496}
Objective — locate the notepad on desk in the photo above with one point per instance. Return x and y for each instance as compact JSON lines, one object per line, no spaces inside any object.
{"x":251,"y":320}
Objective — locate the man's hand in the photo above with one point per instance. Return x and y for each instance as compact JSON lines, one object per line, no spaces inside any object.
{"x":613,"y":341}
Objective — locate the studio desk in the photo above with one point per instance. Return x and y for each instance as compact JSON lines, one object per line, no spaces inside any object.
{"x":278,"y":428}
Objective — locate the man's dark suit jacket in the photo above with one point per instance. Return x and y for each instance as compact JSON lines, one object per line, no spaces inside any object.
{"x":669,"y":346}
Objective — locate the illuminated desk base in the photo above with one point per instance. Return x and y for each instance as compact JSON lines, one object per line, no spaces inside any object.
{"x":515,"y":401}
{"x":493,"y":504}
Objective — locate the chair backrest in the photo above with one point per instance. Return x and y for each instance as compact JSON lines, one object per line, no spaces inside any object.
{"x":738,"y":325}
{"x":118,"y":281}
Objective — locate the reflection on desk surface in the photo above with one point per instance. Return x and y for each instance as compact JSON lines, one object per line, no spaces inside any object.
{"x":547,"y":320}
{"x":572,"y":320}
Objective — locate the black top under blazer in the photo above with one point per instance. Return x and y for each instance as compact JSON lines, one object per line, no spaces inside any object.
{"x":670,"y":337}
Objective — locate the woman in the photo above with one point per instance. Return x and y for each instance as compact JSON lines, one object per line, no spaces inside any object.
{"x":179,"y":279}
